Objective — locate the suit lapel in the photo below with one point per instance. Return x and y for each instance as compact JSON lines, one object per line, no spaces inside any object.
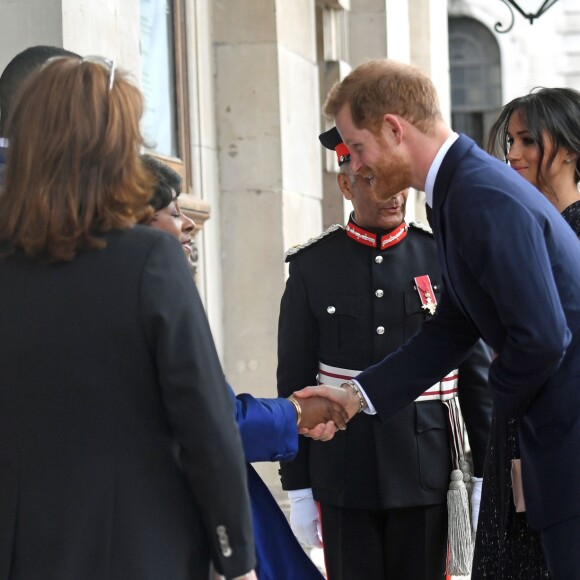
{"x":450,"y":162}
{"x":442,"y":212}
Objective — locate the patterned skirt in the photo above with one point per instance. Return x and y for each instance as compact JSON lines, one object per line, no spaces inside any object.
{"x":506,"y":548}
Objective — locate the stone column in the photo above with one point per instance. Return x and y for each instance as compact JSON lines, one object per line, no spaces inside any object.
{"x":24,"y":24}
{"x":267,"y":114}
{"x":429,"y":51}
{"x":373,"y":29}
{"x":205,"y":202}
{"x":111,"y":29}
{"x":569,"y":28}
{"x":429,"y":45}
{"x":379,"y":29}
{"x":382,"y":29}
{"x":333,"y":53}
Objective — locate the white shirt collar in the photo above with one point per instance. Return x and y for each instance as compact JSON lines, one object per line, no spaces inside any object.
{"x":434,"y":169}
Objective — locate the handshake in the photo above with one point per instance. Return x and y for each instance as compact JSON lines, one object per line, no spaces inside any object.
{"x":323,"y":409}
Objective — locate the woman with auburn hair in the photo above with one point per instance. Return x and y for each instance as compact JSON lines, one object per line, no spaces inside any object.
{"x":80,"y":160}
{"x":539,"y":136}
{"x":119,"y":455}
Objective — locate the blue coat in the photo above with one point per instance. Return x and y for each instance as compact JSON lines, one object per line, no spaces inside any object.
{"x":268,"y":430}
{"x":511,"y":271}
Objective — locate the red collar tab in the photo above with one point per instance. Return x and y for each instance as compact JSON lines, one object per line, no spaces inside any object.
{"x":367,"y":238}
{"x":394,"y":237}
{"x":426,"y":293}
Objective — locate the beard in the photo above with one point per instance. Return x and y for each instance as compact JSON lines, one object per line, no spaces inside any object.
{"x":392,"y":173}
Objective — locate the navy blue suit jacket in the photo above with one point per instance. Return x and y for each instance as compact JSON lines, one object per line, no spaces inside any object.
{"x":511,"y":272}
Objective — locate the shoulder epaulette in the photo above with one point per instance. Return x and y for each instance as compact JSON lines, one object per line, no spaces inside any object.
{"x":421,"y":226}
{"x":311,"y":242}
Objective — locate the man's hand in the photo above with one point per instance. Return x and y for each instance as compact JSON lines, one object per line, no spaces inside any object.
{"x":304,"y":517}
{"x":319,"y":410}
{"x":346,"y":398}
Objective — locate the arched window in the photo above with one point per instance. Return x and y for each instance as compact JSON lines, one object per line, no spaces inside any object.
{"x":475,"y":77}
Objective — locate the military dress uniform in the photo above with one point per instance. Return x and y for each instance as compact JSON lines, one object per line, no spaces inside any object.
{"x":350,"y":300}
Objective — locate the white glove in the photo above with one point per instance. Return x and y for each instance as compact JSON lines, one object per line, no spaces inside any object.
{"x":475,"y":500}
{"x":304,"y":518}
{"x":249,"y":576}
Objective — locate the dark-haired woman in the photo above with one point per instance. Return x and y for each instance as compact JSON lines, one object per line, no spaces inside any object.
{"x":539,"y":136}
{"x":268,"y":426}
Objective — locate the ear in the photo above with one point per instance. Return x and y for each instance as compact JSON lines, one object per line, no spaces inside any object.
{"x":569,"y":156}
{"x":392,"y":128}
{"x":344,"y":185}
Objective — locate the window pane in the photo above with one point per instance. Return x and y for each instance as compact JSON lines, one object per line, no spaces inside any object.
{"x":469,"y":123}
{"x":475,"y":76}
{"x":159,"y":122}
{"x":459,"y":96}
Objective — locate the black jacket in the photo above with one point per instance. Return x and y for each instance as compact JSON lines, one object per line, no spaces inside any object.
{"x":330,"y":312}
{"x":119,"y":455}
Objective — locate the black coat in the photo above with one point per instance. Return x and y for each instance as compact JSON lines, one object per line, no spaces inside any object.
{"x":402,"y":462}
{"x":119,"y":455}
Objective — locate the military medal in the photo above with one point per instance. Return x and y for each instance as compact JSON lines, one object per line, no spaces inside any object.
{"x":426,"y":293}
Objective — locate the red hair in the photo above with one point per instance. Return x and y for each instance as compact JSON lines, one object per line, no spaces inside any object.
{"x":73,"y":168}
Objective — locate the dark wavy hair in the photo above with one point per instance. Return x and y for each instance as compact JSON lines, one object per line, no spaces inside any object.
{"x":554,"y":112}
{"x":168,"y":182}
{"x":74,"y":169}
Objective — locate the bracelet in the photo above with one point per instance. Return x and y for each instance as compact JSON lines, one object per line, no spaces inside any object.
{"x":298,"y":410}
{"x":356,"y":391}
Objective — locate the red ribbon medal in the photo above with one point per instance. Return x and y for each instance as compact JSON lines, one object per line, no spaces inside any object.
{"x":426,"y":293}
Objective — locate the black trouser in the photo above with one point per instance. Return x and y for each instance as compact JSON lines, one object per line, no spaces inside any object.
{"x":561,"y":546}
{"x":385,"y":545}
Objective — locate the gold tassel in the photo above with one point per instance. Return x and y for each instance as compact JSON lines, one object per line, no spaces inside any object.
{"x":459,"y":523}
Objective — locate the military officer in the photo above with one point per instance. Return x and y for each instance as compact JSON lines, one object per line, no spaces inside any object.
{"x":354,"y":295}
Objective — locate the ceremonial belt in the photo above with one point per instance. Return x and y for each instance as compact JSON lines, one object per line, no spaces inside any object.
{"x":444,"y":390}
{"x":460,"y":546}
